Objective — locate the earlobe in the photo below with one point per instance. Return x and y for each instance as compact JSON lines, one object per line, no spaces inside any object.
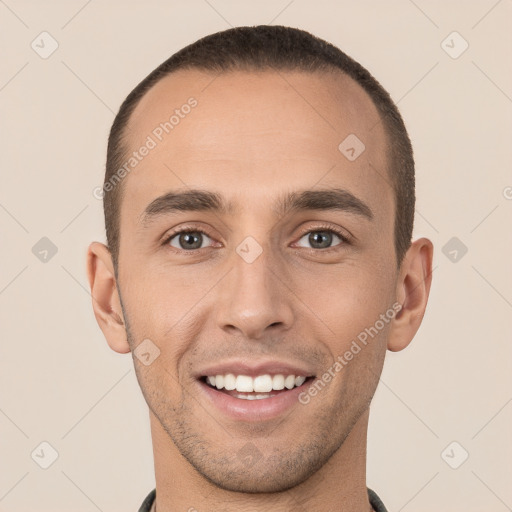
{"x":413,"y":288}
{"x":105,"y":298}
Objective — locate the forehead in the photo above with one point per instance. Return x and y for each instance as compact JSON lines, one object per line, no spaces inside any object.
{"x":252,"y":135}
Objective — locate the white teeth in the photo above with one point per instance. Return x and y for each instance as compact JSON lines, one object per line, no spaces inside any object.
{"x":253,"y":397}
{"x":260,"y":384}
{"x":229,"y":381}
{"x":299,"y":381}
{"x":278,"y":382}
{"x":244,"y":383}
{"x":263,"y":383}
{"x":289,"y":382}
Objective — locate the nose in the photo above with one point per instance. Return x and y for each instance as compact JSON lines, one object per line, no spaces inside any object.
{"x":254,"y":300}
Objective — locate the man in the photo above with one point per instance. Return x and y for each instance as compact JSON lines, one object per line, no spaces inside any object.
{"x":259,"y":203}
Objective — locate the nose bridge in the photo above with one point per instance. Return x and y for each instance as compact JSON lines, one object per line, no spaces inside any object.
{"x":253,"y":297}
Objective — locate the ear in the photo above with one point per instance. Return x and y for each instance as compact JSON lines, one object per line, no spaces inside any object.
{"x":413,"y":288}
{"x":105,"y":298}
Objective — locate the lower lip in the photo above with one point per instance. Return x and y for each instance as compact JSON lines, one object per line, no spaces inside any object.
{"x":253,"y":410}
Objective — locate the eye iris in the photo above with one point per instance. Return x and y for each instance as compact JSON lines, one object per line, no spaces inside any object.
{"x":190,"y":240}
{"x":316,"y":238}
{"x":193,"y":239}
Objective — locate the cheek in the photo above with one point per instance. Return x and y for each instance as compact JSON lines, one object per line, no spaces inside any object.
{"x":162,"y":298}
{"x":160,"y":389}
{"x":171,"y":310}
{"x":351,"y":298}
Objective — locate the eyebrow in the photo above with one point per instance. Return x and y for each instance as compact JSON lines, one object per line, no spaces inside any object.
{"x":203,"y":200}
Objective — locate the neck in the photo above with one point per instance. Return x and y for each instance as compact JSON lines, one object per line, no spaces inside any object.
{"x":338,"y":485}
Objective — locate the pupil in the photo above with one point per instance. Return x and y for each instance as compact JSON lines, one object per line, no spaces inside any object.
{"x":190,"y":241}
{"x":313,"y":238}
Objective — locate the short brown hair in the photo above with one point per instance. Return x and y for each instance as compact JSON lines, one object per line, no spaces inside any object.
{"x":261,"y":48}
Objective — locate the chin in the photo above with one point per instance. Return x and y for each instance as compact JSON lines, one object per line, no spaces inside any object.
{"x":256,"y":482}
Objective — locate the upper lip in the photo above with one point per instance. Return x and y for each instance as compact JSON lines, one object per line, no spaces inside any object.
{"x":253,"y":369}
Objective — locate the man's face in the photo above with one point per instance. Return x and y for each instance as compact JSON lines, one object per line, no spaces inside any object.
{"x":203,"y":301}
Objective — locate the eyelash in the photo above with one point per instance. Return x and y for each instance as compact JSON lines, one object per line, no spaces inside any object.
{"x":344,"y":237}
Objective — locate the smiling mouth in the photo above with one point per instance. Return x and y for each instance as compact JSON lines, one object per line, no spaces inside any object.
{"x":262,"y":387}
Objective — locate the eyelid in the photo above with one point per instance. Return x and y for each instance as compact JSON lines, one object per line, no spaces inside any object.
{"x":344,"y":234}
{"x":184,"y":229}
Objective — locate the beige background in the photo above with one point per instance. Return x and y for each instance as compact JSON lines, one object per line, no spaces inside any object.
{"x":59,"y":381}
